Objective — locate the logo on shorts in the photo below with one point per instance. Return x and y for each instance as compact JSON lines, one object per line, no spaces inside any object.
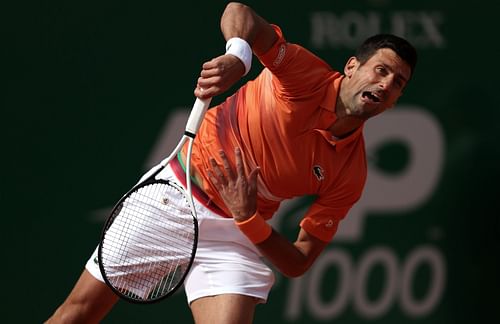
{"x":318,"y":172}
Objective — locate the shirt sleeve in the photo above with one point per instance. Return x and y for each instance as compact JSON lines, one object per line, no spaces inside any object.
{"x":322,"y":221}
{"x":298,"y":72}
{"x":324,"y":215}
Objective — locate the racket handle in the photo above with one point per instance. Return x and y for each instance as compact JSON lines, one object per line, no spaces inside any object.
{"x":196,"y":116}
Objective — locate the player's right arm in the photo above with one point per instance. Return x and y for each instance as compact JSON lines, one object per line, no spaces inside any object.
{"x":239,"y":20}
{"x":220,"y":73}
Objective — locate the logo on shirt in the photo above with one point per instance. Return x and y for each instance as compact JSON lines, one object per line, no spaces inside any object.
{"x":280,"y":56}
{"x":318,"y":172}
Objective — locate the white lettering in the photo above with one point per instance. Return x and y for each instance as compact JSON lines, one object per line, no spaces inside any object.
{"x":352,"y":285}
{"x":349,"y":29}
{"x":343,"y":288}
{"x":421,"y":134}
{"x":424,"y":255}
{"x":373,"y":309}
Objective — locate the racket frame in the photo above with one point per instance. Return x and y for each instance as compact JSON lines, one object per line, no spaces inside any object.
{"x":193,"y":124}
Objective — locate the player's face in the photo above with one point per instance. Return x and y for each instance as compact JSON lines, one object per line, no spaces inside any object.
{"x":376,"y":85}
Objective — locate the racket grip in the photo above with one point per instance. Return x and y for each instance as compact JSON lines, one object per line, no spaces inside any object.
{"x":196,"y":116}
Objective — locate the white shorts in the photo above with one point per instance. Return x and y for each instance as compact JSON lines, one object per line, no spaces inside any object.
{"x":226,"y":262}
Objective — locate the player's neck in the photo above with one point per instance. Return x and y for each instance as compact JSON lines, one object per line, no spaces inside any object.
{"x":345,"y":124}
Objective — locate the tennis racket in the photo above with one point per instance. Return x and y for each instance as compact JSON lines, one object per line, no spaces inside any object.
{"x":149,"y":240}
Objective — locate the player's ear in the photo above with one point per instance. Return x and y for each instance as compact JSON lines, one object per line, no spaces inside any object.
{"x":351,"y":66}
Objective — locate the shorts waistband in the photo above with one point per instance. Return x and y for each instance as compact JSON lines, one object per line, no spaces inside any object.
{"x":199,"y":194}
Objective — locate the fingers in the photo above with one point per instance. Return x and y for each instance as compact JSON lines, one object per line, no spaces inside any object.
{"x":225,"y":176}
{"x":218,"y":75}
{"x":204,"y":93}
{"x":208,"y":88}
{"x":209,"y":82}
{"x":240,"y":170}
{"x":227,"y":167}
{"x":252,"y":181}
{"x":211,"y":69}
{"x":221,"y":177}
{"x":216,"y":175}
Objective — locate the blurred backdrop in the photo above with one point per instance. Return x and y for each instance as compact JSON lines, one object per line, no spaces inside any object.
{"x":95,"y":92}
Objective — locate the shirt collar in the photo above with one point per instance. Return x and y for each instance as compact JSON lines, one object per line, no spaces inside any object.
{"x":329,"y":103}
{"x":340,"y":143}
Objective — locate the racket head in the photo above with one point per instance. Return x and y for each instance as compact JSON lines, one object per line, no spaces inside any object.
{"x":149,"y":241}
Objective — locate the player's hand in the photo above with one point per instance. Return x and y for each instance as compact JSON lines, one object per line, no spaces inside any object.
{"x":238,"y":191}
{"x":218,"y":75}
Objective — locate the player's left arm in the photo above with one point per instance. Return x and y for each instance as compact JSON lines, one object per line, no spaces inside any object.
{"x":239,"y":193}
{"x":292,"y":259}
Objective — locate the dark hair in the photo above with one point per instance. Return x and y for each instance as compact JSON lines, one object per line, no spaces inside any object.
{"x":399,"y":45}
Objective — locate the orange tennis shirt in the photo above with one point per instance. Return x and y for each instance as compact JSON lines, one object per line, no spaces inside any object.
{"x":280,"y":121}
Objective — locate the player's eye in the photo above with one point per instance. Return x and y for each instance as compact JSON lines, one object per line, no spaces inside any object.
{"x":381,"y":70}
{"x":399,"y":83}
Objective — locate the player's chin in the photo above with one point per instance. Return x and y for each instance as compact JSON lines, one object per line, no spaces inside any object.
{"x":376,"y":111}
{"x":367,"y":111}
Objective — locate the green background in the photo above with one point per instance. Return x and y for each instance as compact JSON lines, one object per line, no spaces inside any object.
{"x":87,"y":88}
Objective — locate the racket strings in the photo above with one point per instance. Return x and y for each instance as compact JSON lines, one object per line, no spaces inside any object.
{"x":147,"y":249}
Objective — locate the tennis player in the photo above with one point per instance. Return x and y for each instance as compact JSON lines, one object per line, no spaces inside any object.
{"x":295,"y":130}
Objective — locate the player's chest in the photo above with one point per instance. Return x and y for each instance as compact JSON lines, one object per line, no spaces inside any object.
{"x":305,"y":168}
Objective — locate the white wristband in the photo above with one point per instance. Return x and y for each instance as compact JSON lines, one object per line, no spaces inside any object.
{"x":239,"y":47}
